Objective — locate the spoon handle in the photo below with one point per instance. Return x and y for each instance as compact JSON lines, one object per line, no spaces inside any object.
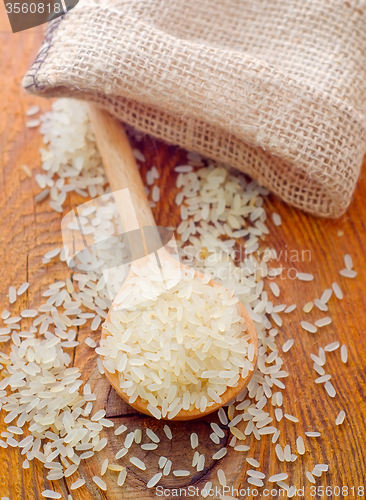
{"x":121,"y":169}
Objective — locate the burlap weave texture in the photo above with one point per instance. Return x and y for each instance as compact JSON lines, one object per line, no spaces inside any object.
{"x":275,"y":88}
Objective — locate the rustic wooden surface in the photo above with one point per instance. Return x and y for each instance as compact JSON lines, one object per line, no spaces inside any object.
{"x":28,"y":230}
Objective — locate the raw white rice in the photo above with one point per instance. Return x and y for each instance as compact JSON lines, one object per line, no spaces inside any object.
{"x":168,"y":431}
{"x":95,"y":323}
{"x":136,"y":367}
{"x":291,"y":491}
{"x":241,"y":447}
{"x":138,"y":155}
{"x":90,"y":342}
{"x":138,"y":436}
{"x":122,"y":477}
{"x":308,"y":327}
{"x":138,"y":463}
{"x":317,"y":472}
{"x":337,"y":291}
{"x":122,"y":428}
{"x":155,"y":194}
{"x":206,"y":490}
{"x":344,"y":354}
{"x":291,"y":417}
{"x":222,"y":416}
{"x":278,"y":477}
{"x":340,"y":418}
{"x":310,"y":477}
{"x":77,"y":484}
{"x":331,"y":347}
{"x":5,"y":314}
{"x":213,"y":204}
{"x":278,"y":414}
{"x":33,"y":110}
{"x":155,"y":412}
{"x":279,"y":453}
{"x":319,"y":369}
{"x":70,"y":470}
{"x":52,"y":253}
{"x":326,"y":295}
{"x":320,"y":305}
{"x":181,"y":473}
{"x":238,"y":433}
{"x":287,"y":345}
{"x":305,"y":277}
{"x":256,"y":473}
{"x":183,"y":169}
{"x":330,"y":389}
{"x":308,"y":307}
{"x":27,"y":170}
{"x":221,"y":477}
{"x":217,"y":430}
{"x":32,"y":124}
{"x":274,"y":288}
{"x":151,"y":434}
{"x":167,"y":468}
{"x":194,"y":440}
{"x":348,"y":273}
{"x":348,"y":262}
{"x":50,"y":494}
{"x":115,"y":467}
{"x":154,"y":480}
{"x":29,"y":313}
{"x":287,"y":453}
{"x":23,"y":288}
{"x":300,"y":445}
{"x":322,"y":467}
{"x":255,"y":481}
{"x":195,"y":458}
{"x":100,"y":483}
{"x":276,"y":219}
{"x":12,"y":294}
{"x":149,"y":446}
{"x":219,"y":454}
{"x":201,"y":463}
{"x":98,"y":415}
{"x":253,"y":462}
{"x":283,"y":485}
{"x":104,"y":467}
{"x":290,"y":308}
{"x":129,"y":439}
{"x":322,"y":379}
{"x":215,"y":438}
{"x":121,"y":453}
{"x":323,"y":322}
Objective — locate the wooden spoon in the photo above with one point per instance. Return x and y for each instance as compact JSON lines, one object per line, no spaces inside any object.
{"x":122,"y":173}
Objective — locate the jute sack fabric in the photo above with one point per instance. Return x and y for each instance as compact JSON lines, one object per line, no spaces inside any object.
{"x":275,"y":88}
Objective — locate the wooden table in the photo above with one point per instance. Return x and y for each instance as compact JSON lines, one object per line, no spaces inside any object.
{"x":28,"y":230}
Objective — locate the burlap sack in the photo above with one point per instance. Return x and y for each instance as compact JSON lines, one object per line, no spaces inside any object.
{"x":276,"y":88}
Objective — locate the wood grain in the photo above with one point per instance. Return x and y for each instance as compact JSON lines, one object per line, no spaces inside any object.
{"x":28,"y":230}
{"x":121,"y":168}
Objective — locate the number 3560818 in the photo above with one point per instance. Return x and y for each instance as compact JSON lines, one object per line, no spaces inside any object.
{"x":338,"y":491}
{"x":32,"y":8}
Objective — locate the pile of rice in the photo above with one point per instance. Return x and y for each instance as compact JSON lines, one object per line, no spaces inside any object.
{"x":176,"y":341}
{"x":49,"y":412}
